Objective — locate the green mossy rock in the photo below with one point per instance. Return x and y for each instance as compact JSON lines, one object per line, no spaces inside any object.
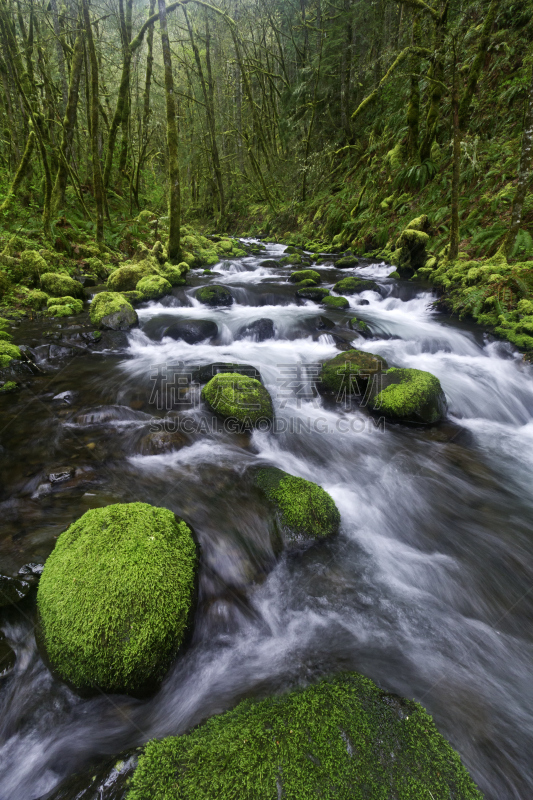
{"x":7,"y":388}
{"x":36,"y":299}
{"x":214,"y":295}
{"x":63,"y":306}
{"x":341,"y":738}
{"x":305,"y":511}
{"x":115,"y":596}
{"x":8,"y":352}
{"x":346,"y":262}
{"x":153,"y":287}
{"x":111,"y":310}
{"x":125,"y":279}
{"x":58,"y":285}
{"x":238,"y":397}
{"x":360,"y":326}
{"x":133,"y":297}
{"x":5,"y":336}
{"x":4,"y":323}
{"x":305,"y":284}
{"x":335,"y":302}
{"x":395,"y":275}
{"x":316,"y":293}
{"x":305,"y":275}
{"x":97,"y":267}
{"x":409,"y":395}
{"x":349,"y":372}
{"x":354,"y":286}
{"x":30,"y":268}
{"x":174,"y":275}
{"x":410,"y":254}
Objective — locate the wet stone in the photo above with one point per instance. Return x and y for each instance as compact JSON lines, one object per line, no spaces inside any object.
{"x":61,"y":474}
{"x":192,"y":331}
{"x":259,"y":331}
{"x":12,"y":590}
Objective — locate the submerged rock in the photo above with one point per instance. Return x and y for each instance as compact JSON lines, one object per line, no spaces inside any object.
{"x":305,"y":511}
{"x":239,"y":398}
{"x":409,"y":395}
{"x":214,"y":295}
{"x":115,"y":596}
{"x":259,"y":331}
{"x":192,"y":331}
{"x":343,"y":737}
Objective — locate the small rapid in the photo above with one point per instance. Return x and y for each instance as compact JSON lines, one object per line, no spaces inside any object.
{"x":428,"y":588}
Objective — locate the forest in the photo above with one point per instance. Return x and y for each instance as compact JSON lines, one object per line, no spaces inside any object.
{"x":266,"y":399}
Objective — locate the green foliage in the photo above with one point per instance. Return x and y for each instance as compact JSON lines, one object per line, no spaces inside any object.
{"x":238,"y":397}
{"x":306,"y":512}
{"x":342,"y":738}
{"x":115,"y":595}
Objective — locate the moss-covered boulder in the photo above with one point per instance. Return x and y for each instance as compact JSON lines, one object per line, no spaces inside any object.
{"x":30,"y":268}
{"x":63,"y":306}
{"x":349,"y":372}
{"x":8,"y":352}
{"x":58,"y":285}
{"x":112,"y":311}
{"x":5,"y":336}
{"x":97,"y":267}
{"x":335,"y":302}
{"x":153,"y":287}
{"x":36,"y":299}
{"x":239,"y":398}
{"x":341,"y":738}
{"x":409,"y":395}
{"x":355,"y":285}
{"x":304,"y":275}
{"x":306,"y":283}
{"x":174,"y":275}
{"x":133,"y":297}
{"x":316,"y":293}
{"x":346,"y":262}
{"x":304,"y":511}
{"x":125,"y":279}
{"x":214,"y":295}
{"x":115,"y":597}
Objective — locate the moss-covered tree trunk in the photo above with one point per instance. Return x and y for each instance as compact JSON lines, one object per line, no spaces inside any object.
{"x":174,"y":194}
{"x":21,"y":171}
{"x":413,"y":111}
{"x":60,"y":56}
{"x":456,"y":168}
{"x":524,"y":170}
{"x":98,"y":184}
{"x":475,"y":69}
{"x":69,"y":124}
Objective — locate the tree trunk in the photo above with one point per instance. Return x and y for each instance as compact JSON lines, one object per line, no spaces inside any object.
{"x":475,"y":70}
{"x":456,"y":169}
{"x":60,"y":56}
{"x":121,"y":111}
{"x":21,"y":171}
{"x":413,"y":111}
{"x":69,"y":124}
{"x":174,"y":196}
{"x":98,"y":185}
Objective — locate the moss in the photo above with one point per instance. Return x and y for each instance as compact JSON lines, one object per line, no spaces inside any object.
{"x":5,"y":336}
{"x":304,"y":275}
{"x":341,"y":738}
{"x":63,"y":306}
{"x":354,"y":285}
{"x":214,"y":295}
{"x":224,"y":246}
{"x":146,"y":216}
{"x":349,"y":371}
{"x":112,"y":310}
{"x":346,"y":262}
{"x":306,"y":284}
{"x":97,"y":267}
{"x":125,"y":279}
{"x":8,"y":352}
{"x":115,"y":595}
{"x":36,"y":299}
{"x":61,"y":285}
{"x":420,"y":223}
{"x":335,"y":302}
{"x":291,"y":261}
{"x":306,"y":511}
{"x":8,"y":386}
{"x":153,"y":287}
{"x":359,"y":325}
{"x":64,"y":301}
{"x":395,"y":158}
{"x":174,"y":275}
{"x":4,"y":323}
{"x":30,"y":267}
{"x":238,"y":397}
{"x":316,"y":293}
{"x":395,"y":275}
{"x":412,"y":395}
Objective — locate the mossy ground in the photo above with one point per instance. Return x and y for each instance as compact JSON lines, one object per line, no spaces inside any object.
{"x":341,"y":739}
{"x":306,"y":511}
{"x":239,"y":398}
{"x":115,"y":596}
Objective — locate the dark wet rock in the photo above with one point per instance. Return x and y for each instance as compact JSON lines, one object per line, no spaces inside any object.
{"x":66,"y":398}
{"x":157,"y":442}
{"x":192,"y":331}
{"x":108,"y":781}
{"x":7,"y":657}
{"x":269,"y":263}
{"x":259,"y":331}
{"x":31,"y":572}
{"x":214,"y":295}
{"x":324,"y":324}
{"x":12,"y":590}
{"x":363,"y":302}
{"x":61,"y":474}
{"x":111,"y":341}
{"x":204,"y":374}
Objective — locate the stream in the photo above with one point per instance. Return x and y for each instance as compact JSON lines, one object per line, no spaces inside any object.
{"x":427,"y":590}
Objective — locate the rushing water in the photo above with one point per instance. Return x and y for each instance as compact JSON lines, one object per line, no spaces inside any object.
{"x":428,"y":589}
